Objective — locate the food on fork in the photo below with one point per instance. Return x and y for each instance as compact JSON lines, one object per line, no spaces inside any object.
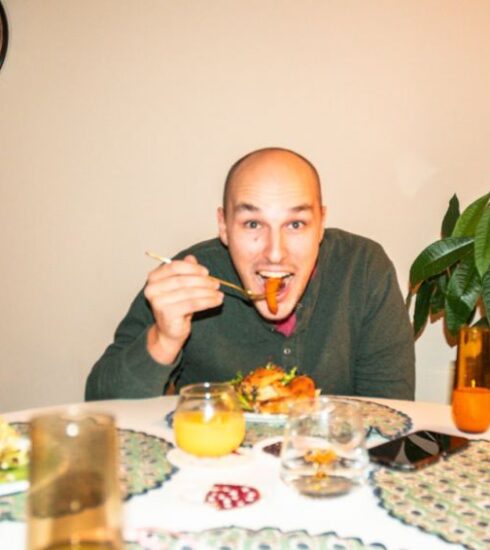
{"x":271,"y":389}
{"x":272,"y":286}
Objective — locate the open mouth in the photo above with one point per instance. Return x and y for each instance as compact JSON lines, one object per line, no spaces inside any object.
{"x":284,"y":276}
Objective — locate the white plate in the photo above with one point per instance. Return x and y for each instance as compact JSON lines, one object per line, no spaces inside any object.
{"x":12,"y":487}
{"x":265,"y":418}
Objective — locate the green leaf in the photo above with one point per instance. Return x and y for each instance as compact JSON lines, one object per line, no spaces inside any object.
{"x":485,"y":286}
{"x":422,"y":306}
{"x":244,"y":402}
{"x":438,"y":297}
{"x":237,"y":380}
{"x":482,"y":243}
{"x":289,"y":375}
{"x":468,"y":221}
{"x":463,"y":291}
{"x":454,"y":319}
{"x":437,"y":257}
{"x":450,"y":217}
{"x":14,"y":474}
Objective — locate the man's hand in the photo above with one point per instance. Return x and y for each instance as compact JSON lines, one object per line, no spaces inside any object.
{"x":175,"y":292}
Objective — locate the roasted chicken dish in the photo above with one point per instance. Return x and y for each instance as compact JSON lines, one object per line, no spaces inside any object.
{"x":271,"y":389}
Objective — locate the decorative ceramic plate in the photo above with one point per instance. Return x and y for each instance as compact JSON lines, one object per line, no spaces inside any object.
{"x":381,"y":422}
{"x":267,"y":538}
{"x":144,"y":466}
{"x":11,"y":487}
{"x":449,"y":499}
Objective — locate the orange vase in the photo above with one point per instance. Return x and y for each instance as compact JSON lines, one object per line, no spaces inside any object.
{"x":471,"y":395}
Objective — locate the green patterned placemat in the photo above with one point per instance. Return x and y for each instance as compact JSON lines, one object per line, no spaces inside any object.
{"x":450,"y":499}
{"x":383,"y":420}
{"x":229,"y":538}
{"x":144,"y":466}
{"x":379,"y":420}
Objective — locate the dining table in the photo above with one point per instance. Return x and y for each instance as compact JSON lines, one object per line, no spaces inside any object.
{"x":168,"y":500}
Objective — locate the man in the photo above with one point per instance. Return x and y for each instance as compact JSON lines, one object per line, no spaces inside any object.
{"x":340,"y":318}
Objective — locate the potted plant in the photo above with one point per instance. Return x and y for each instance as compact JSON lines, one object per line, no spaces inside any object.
{"x":451,"y":277}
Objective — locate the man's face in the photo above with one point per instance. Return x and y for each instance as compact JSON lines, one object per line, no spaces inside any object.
{"x":273,"y":227}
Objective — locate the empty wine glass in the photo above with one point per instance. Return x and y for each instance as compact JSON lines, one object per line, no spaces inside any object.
{"x":323,"y":452}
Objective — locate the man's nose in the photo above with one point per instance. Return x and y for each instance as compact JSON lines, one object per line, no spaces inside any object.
{"x":275,"y":247}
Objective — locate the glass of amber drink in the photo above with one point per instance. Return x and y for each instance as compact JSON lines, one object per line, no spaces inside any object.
{"x":208,"y":421}
{"x":471,"y":394}
{"x":74,"y":499}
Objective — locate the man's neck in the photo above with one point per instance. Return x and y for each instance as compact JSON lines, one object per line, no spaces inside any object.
{"x":287,"y":326}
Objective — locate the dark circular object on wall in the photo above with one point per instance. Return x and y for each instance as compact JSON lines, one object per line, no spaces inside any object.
{"x":4,"y":34}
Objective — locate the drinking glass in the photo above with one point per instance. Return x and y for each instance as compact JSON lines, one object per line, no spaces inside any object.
{"x":209,"y":420}
{"x":471,"y":394}
{"x":74,"y":499}
{"x":323,"y":452}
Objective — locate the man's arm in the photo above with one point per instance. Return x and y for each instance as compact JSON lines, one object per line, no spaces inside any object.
{"x":126,"y":369}
{"x":385,"y":359}
{"x":150,"y":339}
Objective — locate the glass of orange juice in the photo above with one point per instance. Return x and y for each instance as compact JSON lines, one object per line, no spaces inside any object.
{"x":471,"y":394}
{"x":209,"y":420}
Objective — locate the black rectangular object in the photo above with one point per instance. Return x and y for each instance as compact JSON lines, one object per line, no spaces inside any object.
{"x":417,"y":449}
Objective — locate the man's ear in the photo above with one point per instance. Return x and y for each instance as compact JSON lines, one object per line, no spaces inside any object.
{"x":223,"y":235}
{"x":324,"y":219}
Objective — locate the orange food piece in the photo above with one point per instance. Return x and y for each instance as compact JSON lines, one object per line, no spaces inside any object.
{"x":279,"y":405}
{"x":320,"y":456}
{"x":272,"y":286}
{"x":302,"y":386}
{"x":261,"y":382}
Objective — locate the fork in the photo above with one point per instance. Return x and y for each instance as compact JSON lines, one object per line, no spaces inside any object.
{"x":247,"y":293}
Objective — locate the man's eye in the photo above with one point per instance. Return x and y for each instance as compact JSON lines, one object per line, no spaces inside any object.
{"x":297,"y":224}
{"x":252,"y":224}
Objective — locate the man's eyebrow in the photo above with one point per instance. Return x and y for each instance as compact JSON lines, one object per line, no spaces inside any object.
{"x":247,"y":207}
{"x":302,"y":208}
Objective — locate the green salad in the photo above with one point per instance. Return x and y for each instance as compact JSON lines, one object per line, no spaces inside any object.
{"x":13,"y":454}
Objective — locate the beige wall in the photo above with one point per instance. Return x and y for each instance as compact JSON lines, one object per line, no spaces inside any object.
{"x":119,"y":119}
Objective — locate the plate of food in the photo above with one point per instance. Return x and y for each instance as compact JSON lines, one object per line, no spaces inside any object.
{"x":13,"y":460}
{"x":266,"y":393}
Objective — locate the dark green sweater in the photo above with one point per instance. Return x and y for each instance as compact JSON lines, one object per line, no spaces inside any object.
{"x":353,"y":334}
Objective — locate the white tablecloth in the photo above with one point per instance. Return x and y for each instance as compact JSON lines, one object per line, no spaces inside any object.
{"x":178,"y":504}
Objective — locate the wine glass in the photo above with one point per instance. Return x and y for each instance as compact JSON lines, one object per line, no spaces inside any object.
{"x":323,"y":452}
{"x":208,"y":421}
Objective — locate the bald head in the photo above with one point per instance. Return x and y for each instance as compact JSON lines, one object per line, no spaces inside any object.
{"x":274,"y":161}
{"x":272,"y":220}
